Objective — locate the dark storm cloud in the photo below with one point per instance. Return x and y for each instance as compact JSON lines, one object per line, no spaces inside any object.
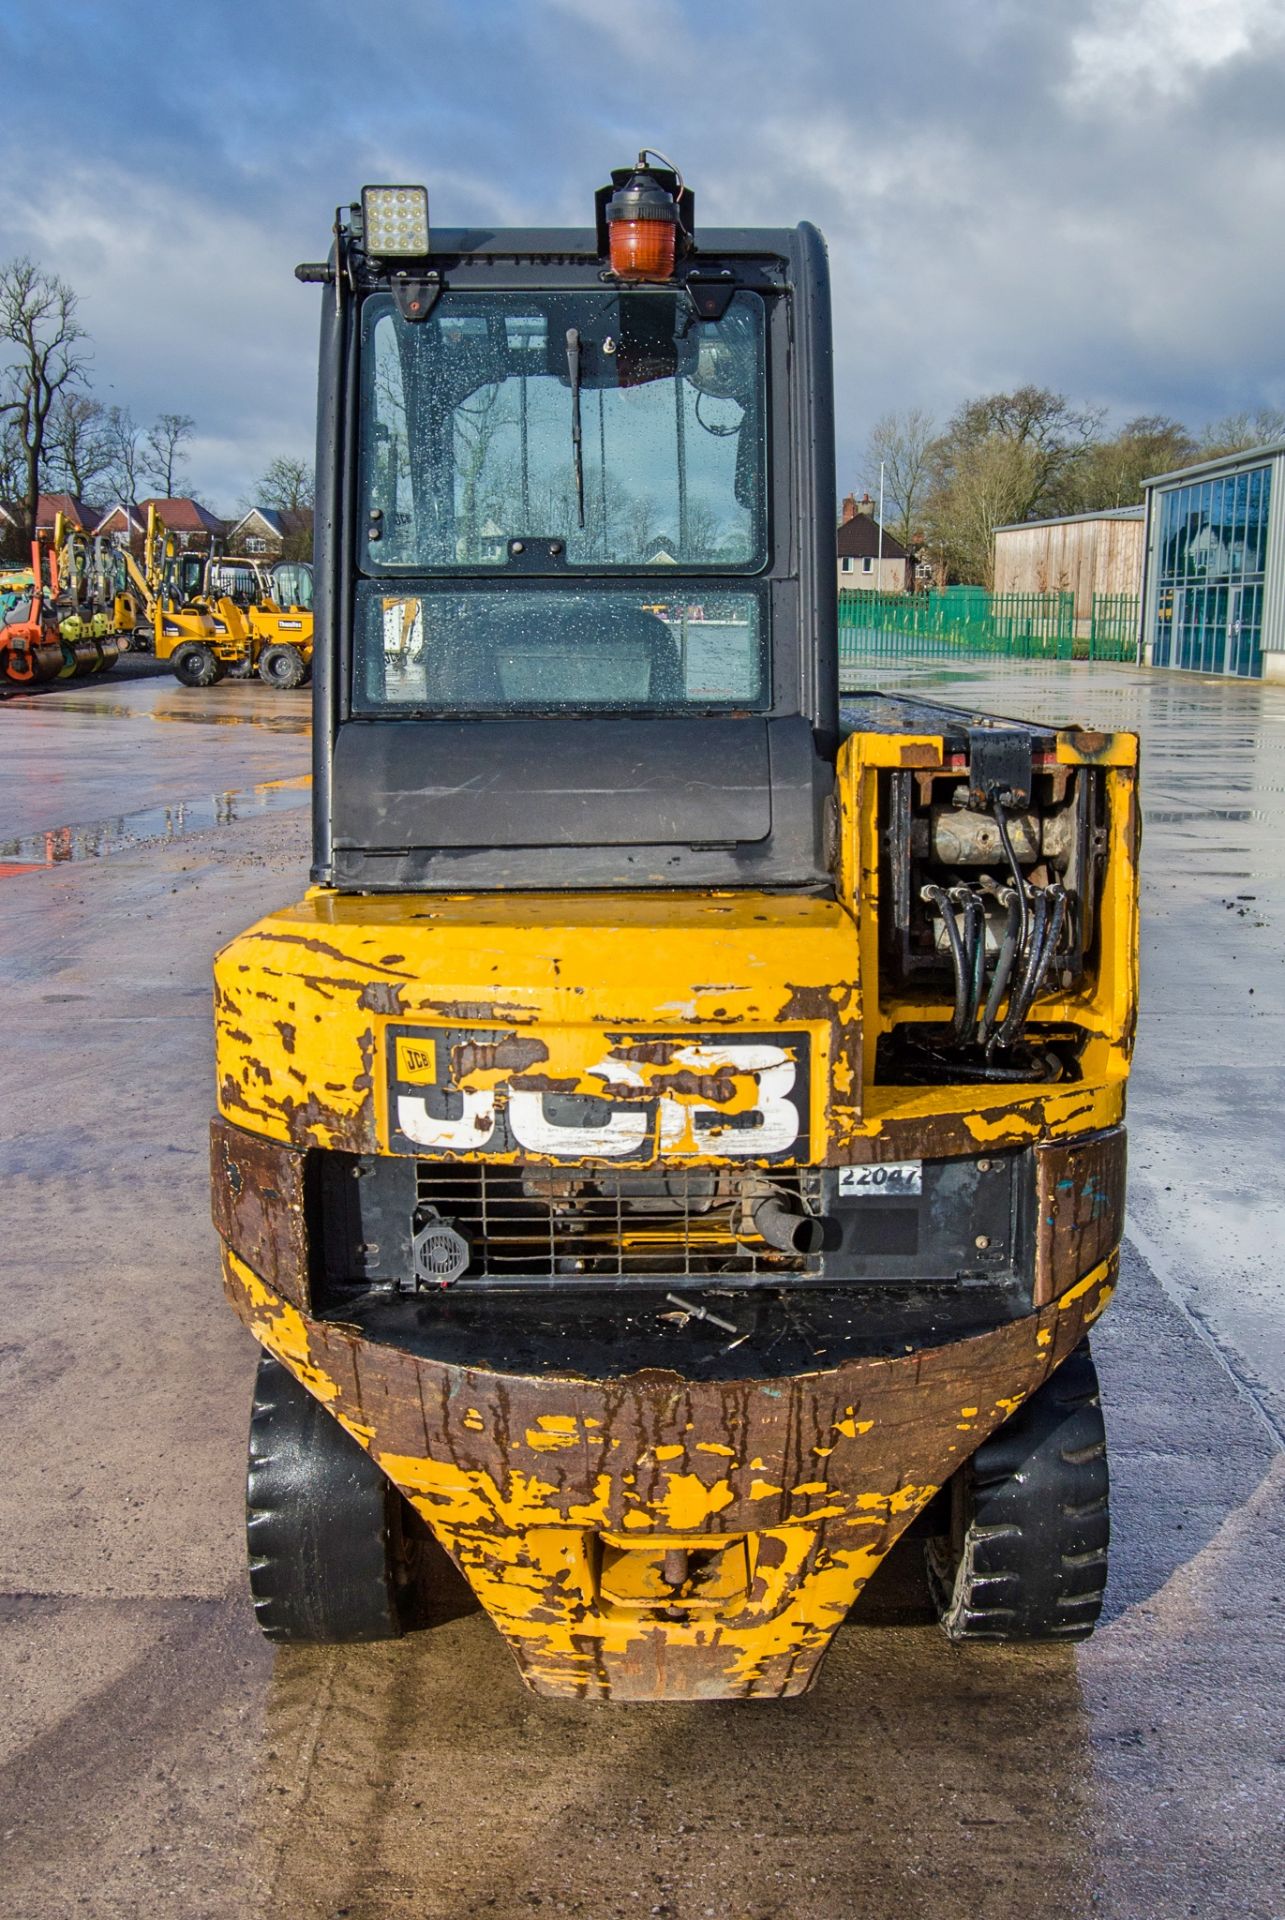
{"x":1087,"y":197}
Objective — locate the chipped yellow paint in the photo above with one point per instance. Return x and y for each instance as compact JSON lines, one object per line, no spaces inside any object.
{"x":554,"y":1432}
{"x":1099,"y":1306}
{"x":307,"y":1003}
{"x":687,"y":1503}
{"x":310,"y":1001}
{"x":1081,"y":1287}
{"x":312,"y":1007}
{"x":534,"y":1556}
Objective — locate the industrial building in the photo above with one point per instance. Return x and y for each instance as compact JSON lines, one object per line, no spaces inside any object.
{"x":1214,"y":588}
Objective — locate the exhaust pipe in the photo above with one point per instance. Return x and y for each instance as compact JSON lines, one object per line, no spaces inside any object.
{"x":788,"y":1231}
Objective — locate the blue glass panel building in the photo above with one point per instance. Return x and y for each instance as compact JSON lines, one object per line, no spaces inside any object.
{"x":1213,"y":598}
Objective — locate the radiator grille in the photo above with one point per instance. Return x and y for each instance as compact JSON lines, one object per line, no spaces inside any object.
{"x":598,"y":1223}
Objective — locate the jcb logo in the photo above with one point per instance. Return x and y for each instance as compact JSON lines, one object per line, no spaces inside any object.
{"x":523,"y":1094}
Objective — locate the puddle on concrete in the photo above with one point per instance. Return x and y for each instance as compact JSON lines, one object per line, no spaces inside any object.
{"x":32,"y":852}
{"x":169,"y":710}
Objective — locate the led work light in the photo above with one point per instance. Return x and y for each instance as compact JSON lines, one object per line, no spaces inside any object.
{"x":396,"y":222}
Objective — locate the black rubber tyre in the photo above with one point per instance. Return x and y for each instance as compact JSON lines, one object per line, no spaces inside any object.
{"x":330,"y":1558}
{"x":195,"y":664}
{"x":282,"y":666}
{"x":1026,"y":1556}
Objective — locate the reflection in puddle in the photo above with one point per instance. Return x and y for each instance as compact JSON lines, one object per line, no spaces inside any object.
{"x":170,"y":707}
{"x":31,"y":852}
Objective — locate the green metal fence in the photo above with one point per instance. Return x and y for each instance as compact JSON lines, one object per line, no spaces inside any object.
{"x":1113,"y":627}
{"x":957,"y":623}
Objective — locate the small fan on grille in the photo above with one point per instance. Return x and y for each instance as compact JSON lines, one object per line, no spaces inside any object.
{"x":440,"y":1253}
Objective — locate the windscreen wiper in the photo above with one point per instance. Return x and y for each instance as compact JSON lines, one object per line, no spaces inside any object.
{"x":577,"y":445}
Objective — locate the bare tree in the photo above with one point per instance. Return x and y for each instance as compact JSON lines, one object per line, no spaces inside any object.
{"x":1238,"y":432}
{"x":79,"y":451}
{"x":38,"y":327}
{"x":125,"y":454}
{"x":13,"y":545}
{"x":901,"y":443}
{"x":286,"y":485}
{"x":477,"y":423}
{"x":163,"y":455}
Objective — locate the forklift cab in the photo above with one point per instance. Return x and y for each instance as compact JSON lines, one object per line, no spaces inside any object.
{"x":575,"y":550}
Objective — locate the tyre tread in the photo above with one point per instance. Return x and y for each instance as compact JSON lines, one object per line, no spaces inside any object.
{"x":1033,"y":1564}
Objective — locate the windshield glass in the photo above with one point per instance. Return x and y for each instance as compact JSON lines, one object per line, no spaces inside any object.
{"x":523,"y":649}
{"x":616,"y":424}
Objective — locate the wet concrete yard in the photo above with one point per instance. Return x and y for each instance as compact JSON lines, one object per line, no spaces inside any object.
{"x":158,"y":1758}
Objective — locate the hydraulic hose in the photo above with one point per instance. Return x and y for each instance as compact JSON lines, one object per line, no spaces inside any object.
{"x":1024,"y":992}
{"x":938,"y":898}
{"x":1008,"y":899}
{"x":974,"y":944}
{"x":1049,"y":945}
{"x":1005,"y":840}
{"x":1049,"y":934}
{"x":974,"y":950}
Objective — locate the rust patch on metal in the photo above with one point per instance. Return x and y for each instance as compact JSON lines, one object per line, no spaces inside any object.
{"x":1088,"y":742}
{"x":311,"y":943}
{"x":521,"y":1477}
{"x":649,"y":1053}
{"x":256,"y":1201}
{"x":508,"y":1051}
{"x":381,"y":996}
{"x":1079,"y":1195}
{"x":481,"y":1010}
{"x":717,"y":1088}
{"x":286,"y":1029}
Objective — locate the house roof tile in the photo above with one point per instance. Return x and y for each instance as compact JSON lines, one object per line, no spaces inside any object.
{"x":858,"y":539}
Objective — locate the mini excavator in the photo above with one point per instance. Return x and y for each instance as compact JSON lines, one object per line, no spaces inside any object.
{"x":675,"y":1148}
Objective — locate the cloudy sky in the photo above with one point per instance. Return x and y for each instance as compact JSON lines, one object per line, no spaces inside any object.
{"x":1088,"y":196}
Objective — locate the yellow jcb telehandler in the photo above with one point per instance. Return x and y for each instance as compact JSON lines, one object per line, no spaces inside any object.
{"x":676,"y":1145}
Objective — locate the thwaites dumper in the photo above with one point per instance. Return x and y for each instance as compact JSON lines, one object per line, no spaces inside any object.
{"x":218,"y":616}
{"x":675,"y":1147}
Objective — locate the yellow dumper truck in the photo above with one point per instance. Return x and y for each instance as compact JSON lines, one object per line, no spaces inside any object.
{"x":676,"y":1145}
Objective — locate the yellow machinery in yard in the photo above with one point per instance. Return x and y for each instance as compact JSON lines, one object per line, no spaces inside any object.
{"x":220,"y":615}
{"x":676,"y":1145}
{"x":53,"y":629}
